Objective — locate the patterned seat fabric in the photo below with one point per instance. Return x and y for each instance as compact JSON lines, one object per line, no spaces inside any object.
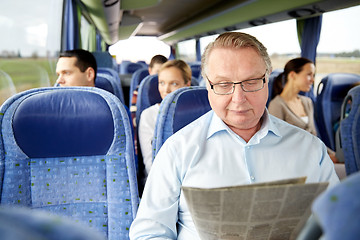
{"x":330,"y":95}
{"x":70,"y":151}
{"x":337,"y":210}
{"x":110,"y":81}
{"x":22,"y":223}
{"x":350,"y":130}
{"x":178,"y":109}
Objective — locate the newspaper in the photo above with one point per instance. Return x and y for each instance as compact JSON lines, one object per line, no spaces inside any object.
{"x":272,"y":210}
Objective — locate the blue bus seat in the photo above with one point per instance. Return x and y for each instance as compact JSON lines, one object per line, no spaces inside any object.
{"x":178,"y":109}
{"x":104,"y":60}
{"x":194,"y":81}
{"x":331,"y":92}
{"x":195,"y":69}
{"x":337,"y":210}
{"x":108,"y":83}
{"x":69,"y":151}
{"x":143,"y":63}
{"x":23,"y":223}
{"x":148,"y":95}
{"x":114,"y":77}
{"x":350,"y":130}
{"x":136,"y":79}
{"x":127,"y":67}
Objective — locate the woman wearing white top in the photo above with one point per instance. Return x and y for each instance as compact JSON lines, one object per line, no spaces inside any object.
{"x":173,"y":74}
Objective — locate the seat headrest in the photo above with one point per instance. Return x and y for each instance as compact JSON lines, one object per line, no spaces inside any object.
{"x":153,"y":90}
{"x":63,"y":124}
{"x":104,"y":83}
{"x":190,"y":105}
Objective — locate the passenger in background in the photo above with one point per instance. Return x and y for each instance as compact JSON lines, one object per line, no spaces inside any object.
{"x":288,"y":105}
{"x":155,"y":64}
{"x":237,"y":142}
{"x":76,"y":68}
{"x":173,"y":74}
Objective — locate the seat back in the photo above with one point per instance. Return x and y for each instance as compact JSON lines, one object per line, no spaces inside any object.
{"x":148,"y":95}
{"x":337,"y":210}
{"x":178,"y":109}
{"x":113,"y":77}
{"x":22,"y":223}
{"x":108,"y":83}
{"x":127,"y":67}
{"x":136,"y":79}
{"x":104,"y":60}
{"x":350,"y":130}
{"x":70,"y":151}
{"x":195,"y":69}
{"x":331,"y":92}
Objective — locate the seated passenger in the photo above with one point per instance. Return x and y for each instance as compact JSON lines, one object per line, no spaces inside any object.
{"x":155,"y":64}
{"x":173,"y":74}
{"x":237,"y":142}
{"x":76,"y":68}
{"x":288,"y":105}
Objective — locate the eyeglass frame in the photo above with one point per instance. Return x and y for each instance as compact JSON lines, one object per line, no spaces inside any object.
{"x":263,"y":78}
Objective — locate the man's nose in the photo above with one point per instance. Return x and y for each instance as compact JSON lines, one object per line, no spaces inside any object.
{"x":238,"y":94}
{"x":59,"y":79}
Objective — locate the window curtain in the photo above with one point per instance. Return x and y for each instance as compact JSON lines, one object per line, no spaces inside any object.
{"x":71,"y":26}
{"x":309,"y":35}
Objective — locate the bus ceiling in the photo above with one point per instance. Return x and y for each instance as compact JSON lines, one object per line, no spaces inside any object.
{"x":177,"y":20}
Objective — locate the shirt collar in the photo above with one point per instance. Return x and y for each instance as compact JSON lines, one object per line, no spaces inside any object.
{"x":267,"y":126}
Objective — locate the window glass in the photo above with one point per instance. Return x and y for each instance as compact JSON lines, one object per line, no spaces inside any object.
{"x":30,"y":43}
{"x":186,"y":50}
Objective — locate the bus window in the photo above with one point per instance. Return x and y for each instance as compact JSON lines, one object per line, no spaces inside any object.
{"x":186,"y":50}
{"x":30,"y":43}
{"x":7,"y":88}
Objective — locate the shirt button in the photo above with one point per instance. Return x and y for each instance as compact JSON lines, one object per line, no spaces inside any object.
{"x":252,"y":178}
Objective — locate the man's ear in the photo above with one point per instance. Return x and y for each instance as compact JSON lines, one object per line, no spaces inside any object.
{"x":90,"y":74}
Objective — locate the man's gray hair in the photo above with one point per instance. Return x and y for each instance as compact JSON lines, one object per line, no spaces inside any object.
{"x":235,"y":40}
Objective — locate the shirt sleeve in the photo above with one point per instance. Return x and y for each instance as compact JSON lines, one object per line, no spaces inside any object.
{"x":158,"y":211}
{"x":327,"y":169}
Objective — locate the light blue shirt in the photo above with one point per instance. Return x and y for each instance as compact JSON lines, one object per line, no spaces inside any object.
{"x":207,"y":154}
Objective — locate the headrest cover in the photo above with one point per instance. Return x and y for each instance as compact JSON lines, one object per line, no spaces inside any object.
{"x":104,"y":83}
{"x":63,"y":124}
{"x":190,"y":105}
{"x":154,"y":94}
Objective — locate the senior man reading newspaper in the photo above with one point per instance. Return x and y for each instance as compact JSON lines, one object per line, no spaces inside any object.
{"x":236,"y":143}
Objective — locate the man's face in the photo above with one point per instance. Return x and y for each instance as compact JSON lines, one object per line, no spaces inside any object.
{"x":155,"y":68}
{"x":70,"y":75}
{"x":241,"y":111}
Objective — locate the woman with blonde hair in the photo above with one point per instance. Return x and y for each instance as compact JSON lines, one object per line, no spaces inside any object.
{"x":173,"y":74}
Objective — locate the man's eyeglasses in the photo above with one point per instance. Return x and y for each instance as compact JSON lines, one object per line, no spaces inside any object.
{"x":226,"y":88}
